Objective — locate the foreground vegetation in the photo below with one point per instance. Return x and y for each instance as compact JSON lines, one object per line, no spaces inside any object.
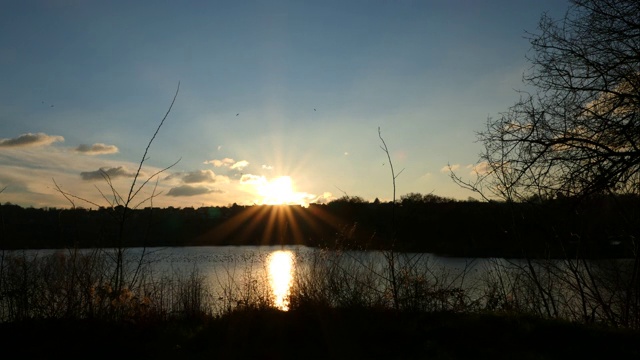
{"x":339,"y":306}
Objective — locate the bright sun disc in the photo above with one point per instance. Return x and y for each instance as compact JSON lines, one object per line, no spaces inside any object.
{"x":277,"y":191}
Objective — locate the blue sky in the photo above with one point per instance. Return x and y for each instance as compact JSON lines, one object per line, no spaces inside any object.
{"x":279,"y":101}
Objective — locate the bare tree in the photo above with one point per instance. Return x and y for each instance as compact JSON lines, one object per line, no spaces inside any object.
{"x":579,"y":132}
{"x":122,"y":206}
{"x":576,"y":134}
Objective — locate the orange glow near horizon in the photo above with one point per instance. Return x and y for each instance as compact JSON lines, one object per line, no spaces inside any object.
{"x":281,"y":277}
{"x":274,"y":225}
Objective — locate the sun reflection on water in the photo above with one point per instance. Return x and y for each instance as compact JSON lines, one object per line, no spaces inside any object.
{"x":280,"y":277}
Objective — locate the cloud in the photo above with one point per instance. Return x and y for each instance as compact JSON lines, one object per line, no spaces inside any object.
{"x":9,"y":183}
{"x":198,"y":176}
{"x":229,"y":163}
{"x":323,"y":199}
{"x":480,"y":168}
{"x":226,"y":162}
{"x":112,"y":173}
{"x":29,"y":177}
{"x":267,"y":167}
{"x":453,"y":167}
{"x":190,"y":190}
{"x":252,"y":179}
{"x":29,"y":139}
{"x":240,"y":165}
{"x":96,"y":149}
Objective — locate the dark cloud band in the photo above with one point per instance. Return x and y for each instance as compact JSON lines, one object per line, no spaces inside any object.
{"x":108,"y":172}
{"x":190,"y":190}
{"x":29,"y":139}
{"x":96,"y":149}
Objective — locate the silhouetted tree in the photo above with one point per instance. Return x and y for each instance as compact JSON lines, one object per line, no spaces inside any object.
{"x":411,"y":198}
{"x":578,"y":133}
{"x":346,"y":199}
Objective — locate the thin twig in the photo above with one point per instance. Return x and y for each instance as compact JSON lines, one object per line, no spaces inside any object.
{"x":146,"y":150}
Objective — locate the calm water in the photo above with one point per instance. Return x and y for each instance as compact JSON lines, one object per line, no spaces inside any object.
{"x":237,"y":275}
{"x":238,"y":270}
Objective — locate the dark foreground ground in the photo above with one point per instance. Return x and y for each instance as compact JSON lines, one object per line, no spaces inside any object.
{"x":327,"y":334}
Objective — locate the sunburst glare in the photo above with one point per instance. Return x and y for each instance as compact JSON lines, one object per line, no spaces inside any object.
{"x":278,"y":191}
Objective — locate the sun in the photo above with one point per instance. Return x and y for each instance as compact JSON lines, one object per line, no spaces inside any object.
{"x":275,"y":191}
{"x":278,"y":191}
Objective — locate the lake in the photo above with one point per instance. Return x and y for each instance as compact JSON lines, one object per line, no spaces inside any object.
{"x":234,"y":273}
{"x":232,"y":276}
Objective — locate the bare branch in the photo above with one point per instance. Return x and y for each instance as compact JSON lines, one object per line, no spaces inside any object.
{"x":146,"y":150}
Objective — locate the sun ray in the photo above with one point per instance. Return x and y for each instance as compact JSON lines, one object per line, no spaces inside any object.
{"x":269,"y":235}
{"x":276,"y":225}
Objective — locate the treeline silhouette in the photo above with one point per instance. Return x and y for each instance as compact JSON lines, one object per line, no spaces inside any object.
{"x":559,"y":227}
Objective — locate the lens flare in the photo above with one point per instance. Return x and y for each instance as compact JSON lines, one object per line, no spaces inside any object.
{"x":278,"y":191}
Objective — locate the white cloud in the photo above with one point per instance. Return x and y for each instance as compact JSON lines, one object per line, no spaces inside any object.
{"x":252,"y":179}
{"x":480,"y":168}
{"x":447,"y":168}
{"x":220,"y":163}
{"x":31,"y":140}
{"x":229,"y":163}
{"x":96,"y":149}
{"x":267,"y":167}
{"x":240,"y":165}
{"x":323,"y":199}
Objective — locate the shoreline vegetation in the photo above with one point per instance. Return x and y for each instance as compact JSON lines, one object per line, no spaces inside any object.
{"x":560,"y":228}
{"x":65,"y":304}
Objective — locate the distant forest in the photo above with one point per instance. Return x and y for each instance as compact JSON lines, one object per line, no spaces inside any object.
{"x":418,"y":223}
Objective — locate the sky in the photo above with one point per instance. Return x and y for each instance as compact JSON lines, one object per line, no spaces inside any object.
{"x":277,"y":101}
